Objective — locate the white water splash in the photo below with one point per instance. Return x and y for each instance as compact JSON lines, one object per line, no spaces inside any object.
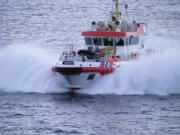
{"x":28,"y":69}
{"x":158,"y":74}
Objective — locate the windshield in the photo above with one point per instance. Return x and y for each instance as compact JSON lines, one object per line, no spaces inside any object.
{"x":97,"y":41}
{"x":108,"y":41}
{"x":88,"y":40}
{"x":133,"y":40}
{"x":119,"y":41}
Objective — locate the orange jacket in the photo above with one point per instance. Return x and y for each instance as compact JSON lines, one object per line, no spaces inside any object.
{"x":111,"y":60}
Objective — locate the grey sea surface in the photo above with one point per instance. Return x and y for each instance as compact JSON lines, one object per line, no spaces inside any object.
{"x":142,"y":98}
{"x":70,"y":113}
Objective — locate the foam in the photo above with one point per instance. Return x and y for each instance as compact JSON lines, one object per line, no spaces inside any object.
{"x":157,"y":74}
{"x":28,"y":69}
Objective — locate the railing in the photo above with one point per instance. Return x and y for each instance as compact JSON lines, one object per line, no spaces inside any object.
{"x":124,"y":26}
{"x":92,"y":58}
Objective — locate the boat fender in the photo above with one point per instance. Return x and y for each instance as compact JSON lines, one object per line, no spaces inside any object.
{"x":74,"y":53}
{"x":53,"y":69}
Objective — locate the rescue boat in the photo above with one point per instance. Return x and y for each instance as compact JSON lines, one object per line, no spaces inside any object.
{"x":108,"y":45}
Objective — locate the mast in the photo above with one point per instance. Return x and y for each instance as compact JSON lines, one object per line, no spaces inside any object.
{"x":116,"y":12}
{"x":116,"y":17}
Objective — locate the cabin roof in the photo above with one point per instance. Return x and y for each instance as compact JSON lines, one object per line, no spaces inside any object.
{"x":103,"y":34}
{"x":140,"y":31}
{"x":111,"y":34}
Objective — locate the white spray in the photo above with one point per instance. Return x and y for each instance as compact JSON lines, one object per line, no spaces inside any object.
{"x":158,"y":74}
{"x":27,"y":69}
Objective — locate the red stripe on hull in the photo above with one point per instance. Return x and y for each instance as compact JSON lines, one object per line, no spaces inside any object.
{"x":74,"y":71}
{"x":100,"y":70}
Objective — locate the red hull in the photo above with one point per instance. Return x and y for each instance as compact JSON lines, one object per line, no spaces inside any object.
{"x":79,"y":70}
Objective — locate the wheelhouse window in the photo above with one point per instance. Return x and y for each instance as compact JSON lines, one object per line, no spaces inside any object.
{"x":108,"y":41}
{"x":133,"y":40}
{"x":119,"y":42}
{"x":88,"y":40}
{"x":97,"y":41}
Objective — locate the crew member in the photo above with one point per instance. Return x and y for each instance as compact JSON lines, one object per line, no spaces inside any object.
{"x":111,"y":59}
{"x":116,"y":59}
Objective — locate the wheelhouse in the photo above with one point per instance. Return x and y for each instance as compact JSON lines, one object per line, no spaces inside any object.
{"x":126,"y":37}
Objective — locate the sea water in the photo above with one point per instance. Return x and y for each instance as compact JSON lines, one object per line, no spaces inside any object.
{"x":142,"y":97}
